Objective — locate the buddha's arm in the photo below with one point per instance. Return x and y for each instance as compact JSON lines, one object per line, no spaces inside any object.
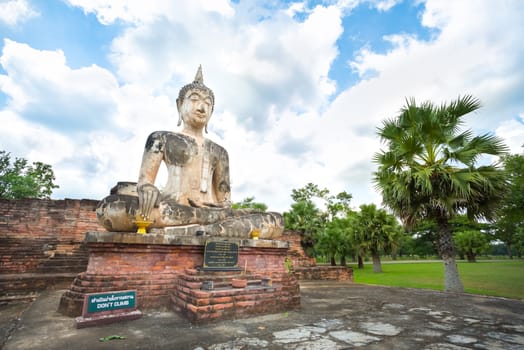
{"x":221,"y":183}
{"x":148,"y":194}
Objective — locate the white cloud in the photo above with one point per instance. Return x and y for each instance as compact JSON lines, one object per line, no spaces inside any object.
{"x":81,"y":121}
{"x":513,"y":132}
{"x":476,"y":53}
{"x":140,"y":12}
{"x":44,"y":89}
{"x":16,"y":11}
{"x":269,"y":71}
{"x":384,"y":5}
{"x":264,"y":60}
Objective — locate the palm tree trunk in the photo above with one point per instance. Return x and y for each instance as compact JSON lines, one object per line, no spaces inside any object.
{"x":360,"y":262}
{"x":333,"y":261}
{"x":446,"y":249}
{"x":377,"y":266}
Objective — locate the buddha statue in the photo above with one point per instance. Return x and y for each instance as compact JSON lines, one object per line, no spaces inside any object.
{"x":197,"y":196}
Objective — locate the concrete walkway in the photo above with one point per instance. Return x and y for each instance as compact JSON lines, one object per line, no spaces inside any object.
{"x":333,"y":316}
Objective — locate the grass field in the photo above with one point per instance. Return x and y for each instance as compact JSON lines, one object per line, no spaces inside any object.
{"x":497,"y":278}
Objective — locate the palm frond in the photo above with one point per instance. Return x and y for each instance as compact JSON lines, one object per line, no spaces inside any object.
{"x":428,"y":168}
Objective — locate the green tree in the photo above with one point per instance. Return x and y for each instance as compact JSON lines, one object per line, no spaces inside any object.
{"x":335,"y":240}
{"x":471,"y":243}
{"x":249,"y":203}
{"x":518,"y":247}
{"x":19,"y":179}
{"x":429,"y":171}
{"x":377,"y":232}
{"x":308,"y":192}
{"x":328,"y":241}
{"x":424,"y":238}
{"x":511,"y":212}
{"x":309,"y":219}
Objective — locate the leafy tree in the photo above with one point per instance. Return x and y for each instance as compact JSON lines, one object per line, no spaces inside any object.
{"x":308,"y":192}
{"x":471,"y":243}
{"x":511,"y":212}
{"x":329,"y":240}
{"x":429,"y":171}
{"x":249,"y":203}
{"x":338,"y":206}
{"x":518,"y":247}
{"x":312,"y":221}
{"x":335,"y":240}
{"x":425,"y":234}
{"x":424,"y":238}
{"x":19,"y":179}
{"x":376,"y":231}
{"x":307,"y":219}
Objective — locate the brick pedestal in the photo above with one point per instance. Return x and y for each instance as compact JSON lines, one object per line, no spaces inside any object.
{"x":263,"y":294}
{"x":158,"y":267}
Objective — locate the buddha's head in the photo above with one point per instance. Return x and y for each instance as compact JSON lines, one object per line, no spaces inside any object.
{"x":195,"y":102}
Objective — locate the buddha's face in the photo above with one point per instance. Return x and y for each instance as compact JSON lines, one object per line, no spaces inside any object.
{"x":196,"y":108}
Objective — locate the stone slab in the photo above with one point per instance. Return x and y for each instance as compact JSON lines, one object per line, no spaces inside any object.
{"x":167,"y":239}
{"x":99,"y":320}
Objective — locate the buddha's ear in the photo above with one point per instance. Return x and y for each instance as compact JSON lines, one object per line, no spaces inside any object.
{"x":178,"y":107}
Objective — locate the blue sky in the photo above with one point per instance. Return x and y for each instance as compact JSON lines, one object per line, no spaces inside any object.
{"x":300,"y":86}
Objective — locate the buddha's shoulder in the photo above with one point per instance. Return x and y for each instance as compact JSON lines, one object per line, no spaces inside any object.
{"x":215,"y":147}
{"x":169,"y":136}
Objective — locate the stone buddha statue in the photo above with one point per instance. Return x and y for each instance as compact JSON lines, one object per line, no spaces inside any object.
{"x":196,"y":197}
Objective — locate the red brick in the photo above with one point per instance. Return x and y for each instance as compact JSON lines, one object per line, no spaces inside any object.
{"x":217,"y":307}
{"x":245,"y":303}
{"x":221,"y":300}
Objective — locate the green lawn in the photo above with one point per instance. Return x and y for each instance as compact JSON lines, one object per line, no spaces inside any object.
{"x":497,"y":278}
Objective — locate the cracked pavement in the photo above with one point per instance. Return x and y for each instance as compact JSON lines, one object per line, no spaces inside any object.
{"x":334,"y":315}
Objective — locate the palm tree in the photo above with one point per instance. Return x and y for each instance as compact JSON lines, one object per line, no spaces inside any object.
{"x":429,"y":171}
{"x":376,"y":231}
{"x":335,"y":240}
{"x":307,"y":219}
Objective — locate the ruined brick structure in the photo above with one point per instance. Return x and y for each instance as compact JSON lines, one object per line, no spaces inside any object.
{"x":42,"y":244}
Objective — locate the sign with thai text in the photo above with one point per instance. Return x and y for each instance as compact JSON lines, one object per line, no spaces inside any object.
{"x":221,"y":255}
{"x":98,"y":302}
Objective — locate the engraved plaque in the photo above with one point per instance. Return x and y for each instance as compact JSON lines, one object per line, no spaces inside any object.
{"x":221,"y":256}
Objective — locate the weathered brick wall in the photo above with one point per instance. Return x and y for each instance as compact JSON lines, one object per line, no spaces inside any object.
{"x":325,"y":273}
{"x":306,"y":268}
{"x":296,"y":253}
{"x":44,"y":235}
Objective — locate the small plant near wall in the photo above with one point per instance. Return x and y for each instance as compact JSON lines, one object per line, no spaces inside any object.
{"x":289,"y":265}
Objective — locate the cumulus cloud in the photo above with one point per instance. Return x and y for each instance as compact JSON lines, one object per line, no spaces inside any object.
{"x":81,"y":121}
{"x":44,"y":89}
{"x":14,"y":12}
{"x":513,"y":132}
{"x":472,"y":54}
{"x":264,"y":59}
{"x":140,"y":12}
{"x":276,"y":111}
